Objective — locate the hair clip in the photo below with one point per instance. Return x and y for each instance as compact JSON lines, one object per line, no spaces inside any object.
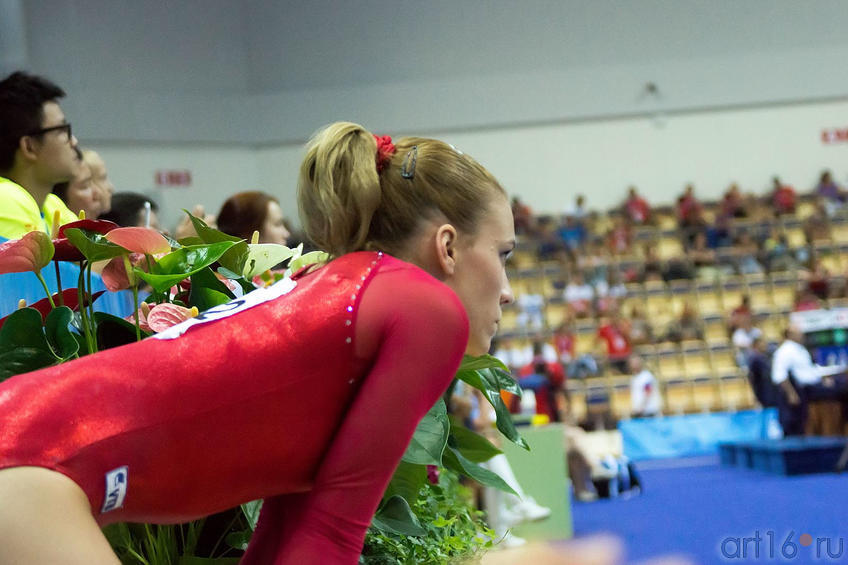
{"x":407,"y":169}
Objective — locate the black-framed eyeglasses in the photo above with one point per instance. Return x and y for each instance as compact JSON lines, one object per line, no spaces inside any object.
{"x":62,"y":127}
{"x":407,"y":168}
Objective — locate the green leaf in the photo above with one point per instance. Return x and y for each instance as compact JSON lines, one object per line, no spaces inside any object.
{"x":23,"y":345}
{"x":251,"y":512}
{"x":234,"y":258}
{"x":182,"y":263}
{"x":246,"y":286}
{"x":58,"y":332}
{"x":262,"y":256}
{"x":113,"y":331}
{"x":94,"y":246}
{"x":455,"y":461}
{"x":301,"y":261}
{"x":470,"y":363}
{"x":430,"y":437}
{"x":490,"y":381}
{"x":207,"y":290}
{"x":407,"y":481}
{"x":471,"y":445}
{"x":396,"y":517}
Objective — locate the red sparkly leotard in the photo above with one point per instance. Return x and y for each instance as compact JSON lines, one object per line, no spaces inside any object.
{"x":307,"y":400}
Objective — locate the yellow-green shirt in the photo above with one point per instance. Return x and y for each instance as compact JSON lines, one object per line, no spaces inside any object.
{"x":19,"y":213}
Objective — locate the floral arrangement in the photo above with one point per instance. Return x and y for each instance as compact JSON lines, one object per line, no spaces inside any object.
{"x":423,"y":516}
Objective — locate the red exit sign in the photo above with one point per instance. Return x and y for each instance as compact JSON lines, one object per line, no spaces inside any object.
{"x":834,"y":135}
{"x":178,"y":177}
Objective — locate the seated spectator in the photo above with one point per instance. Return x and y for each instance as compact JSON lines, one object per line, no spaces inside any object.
{"x":783,"y":198}
{"x":645,"y":397}
{"x":99,"y":178}
{"x":531,"y":307}
{"x":818,"y":279}
{"x":579,"y":295}
{"x":620,"y":237}
{"x":779,"y":256}
{"x":740,"y":315}
{"x":831,"y":193}
{"x":80,"y":195}
{"x":579,"y":211}
{"x":733,"y":203}
{"x":806,"y":300}
{"x":636,"y":208}
{"x":641,"y":332}
{"x":687,"y":326}
{"x":614,"y":332}
{"x":551,"y":245}
{"x":547,"y":382}
{"x":652,"y":266}
{"x":678,"y":268}
{"x":743,"y":339}
{"x":573,"y":234}
{"x":248,"y":212}
{"x":610,"y":293}
{"x":702,"y":258}
{"x":595,"y":262}
{"x":816,"y":226}
{"x":690,"y":214}
{"x":130,"y":209}
{"x":745,"y":252}
{"x":523,"y":217}
{"x":565,"y":341}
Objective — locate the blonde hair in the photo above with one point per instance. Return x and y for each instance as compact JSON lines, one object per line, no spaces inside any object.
{"x":346,"y":205}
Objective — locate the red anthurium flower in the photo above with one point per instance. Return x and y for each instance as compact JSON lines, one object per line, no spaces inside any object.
{"x":32,"y":253}
{"x":140,"y":240}
{"x":69,"y":296}
{"x":65,"y":250}
{"x":163,"y":316}
{"x":115,"y":275}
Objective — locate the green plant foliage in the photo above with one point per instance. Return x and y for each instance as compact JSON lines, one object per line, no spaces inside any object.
{"x":430,"y":437}
{"x":234,"y":258}
{"x":207,"y":291}
{"x":181,"y":263}
{"x":473,"y":447}
{"x":113,"y":331}
{"x":58,"y":332}
{"x":458,"y":463}
{"x":453,"y":531}
{"x":94,"y":246}
{"x":23,"y":344}
{"x":262,"y":256}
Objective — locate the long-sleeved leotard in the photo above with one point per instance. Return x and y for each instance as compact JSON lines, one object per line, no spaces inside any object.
{"x":307,"y":400}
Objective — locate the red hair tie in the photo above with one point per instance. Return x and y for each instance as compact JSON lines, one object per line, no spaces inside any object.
{"x":385,"y":150}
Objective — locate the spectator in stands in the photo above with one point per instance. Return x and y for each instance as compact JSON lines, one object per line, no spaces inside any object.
{"x":645,"y":398}
{"x":818,"y":278}
{"x":641,"y":332}
{"x":130,"y":209}
{"x":595,"y":262}
{"x":831,"y":193}
{"x":636,"y":208}
{"x":80,"y":194}
{"x":745,"y":253}
{"x":740,"y":315}
{"x":733,"y":203}
{"x":523,"y":217}
{"x":816,"y":226}
{"x":37,"y":151}
{"x":551,"y":245}
{"x":531,"y":307}
{"x":573,"y":234}
{"x":702,"y":258}
{"x":99,"y":178}
{"x":679,"y":267}
{"x":579,"y":295}
{"x":579,"y":211}
{"x":614,"y":334}
{"x":800,"y":381}
{"x":779,"y":256}
{"x":248,"y":212}
{"x":743,"y":339}
{"x":687,"y":326}
{"x":620,"y":237}
{"x":759,"y":373}
{"x":690,"y":214}
{"x":565,"y":341}
{"x":610,"y":293}
{"x":806,"y":300}
{"x":547,"y":382}
{"x":652,"y":266}
{"x":783,"y":197}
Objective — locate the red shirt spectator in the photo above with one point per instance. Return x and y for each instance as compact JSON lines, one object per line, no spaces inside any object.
{"x":783,"y":198}
{"x":689,"y":211}
{"x":617,"y":340}
{"x":637,"y":208}
{"x":546,"y":395}
{"x":565,"y":343}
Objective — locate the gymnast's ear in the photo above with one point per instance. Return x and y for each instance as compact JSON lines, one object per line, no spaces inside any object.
{"x":446,"y":249}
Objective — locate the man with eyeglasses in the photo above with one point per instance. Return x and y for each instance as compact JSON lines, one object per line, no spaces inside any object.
{"x":37,"y":151}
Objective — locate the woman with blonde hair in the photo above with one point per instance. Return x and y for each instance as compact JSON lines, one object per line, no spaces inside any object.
{"x":193,"y":421}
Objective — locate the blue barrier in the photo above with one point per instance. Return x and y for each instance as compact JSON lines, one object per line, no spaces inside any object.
{"x":692,"y":434}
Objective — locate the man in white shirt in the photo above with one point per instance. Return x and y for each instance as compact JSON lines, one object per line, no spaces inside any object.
{"x":645,"y":398}
{"x":800,"y":380}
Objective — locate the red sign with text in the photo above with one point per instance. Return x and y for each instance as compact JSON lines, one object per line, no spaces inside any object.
{"x":181,"y":177}
{"x":834,"y":135}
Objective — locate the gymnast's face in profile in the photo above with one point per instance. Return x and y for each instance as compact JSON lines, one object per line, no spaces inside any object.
{"x":480,"y":278}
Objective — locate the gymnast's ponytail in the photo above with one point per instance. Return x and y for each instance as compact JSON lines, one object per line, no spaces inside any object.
{"x":360,"y":192}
